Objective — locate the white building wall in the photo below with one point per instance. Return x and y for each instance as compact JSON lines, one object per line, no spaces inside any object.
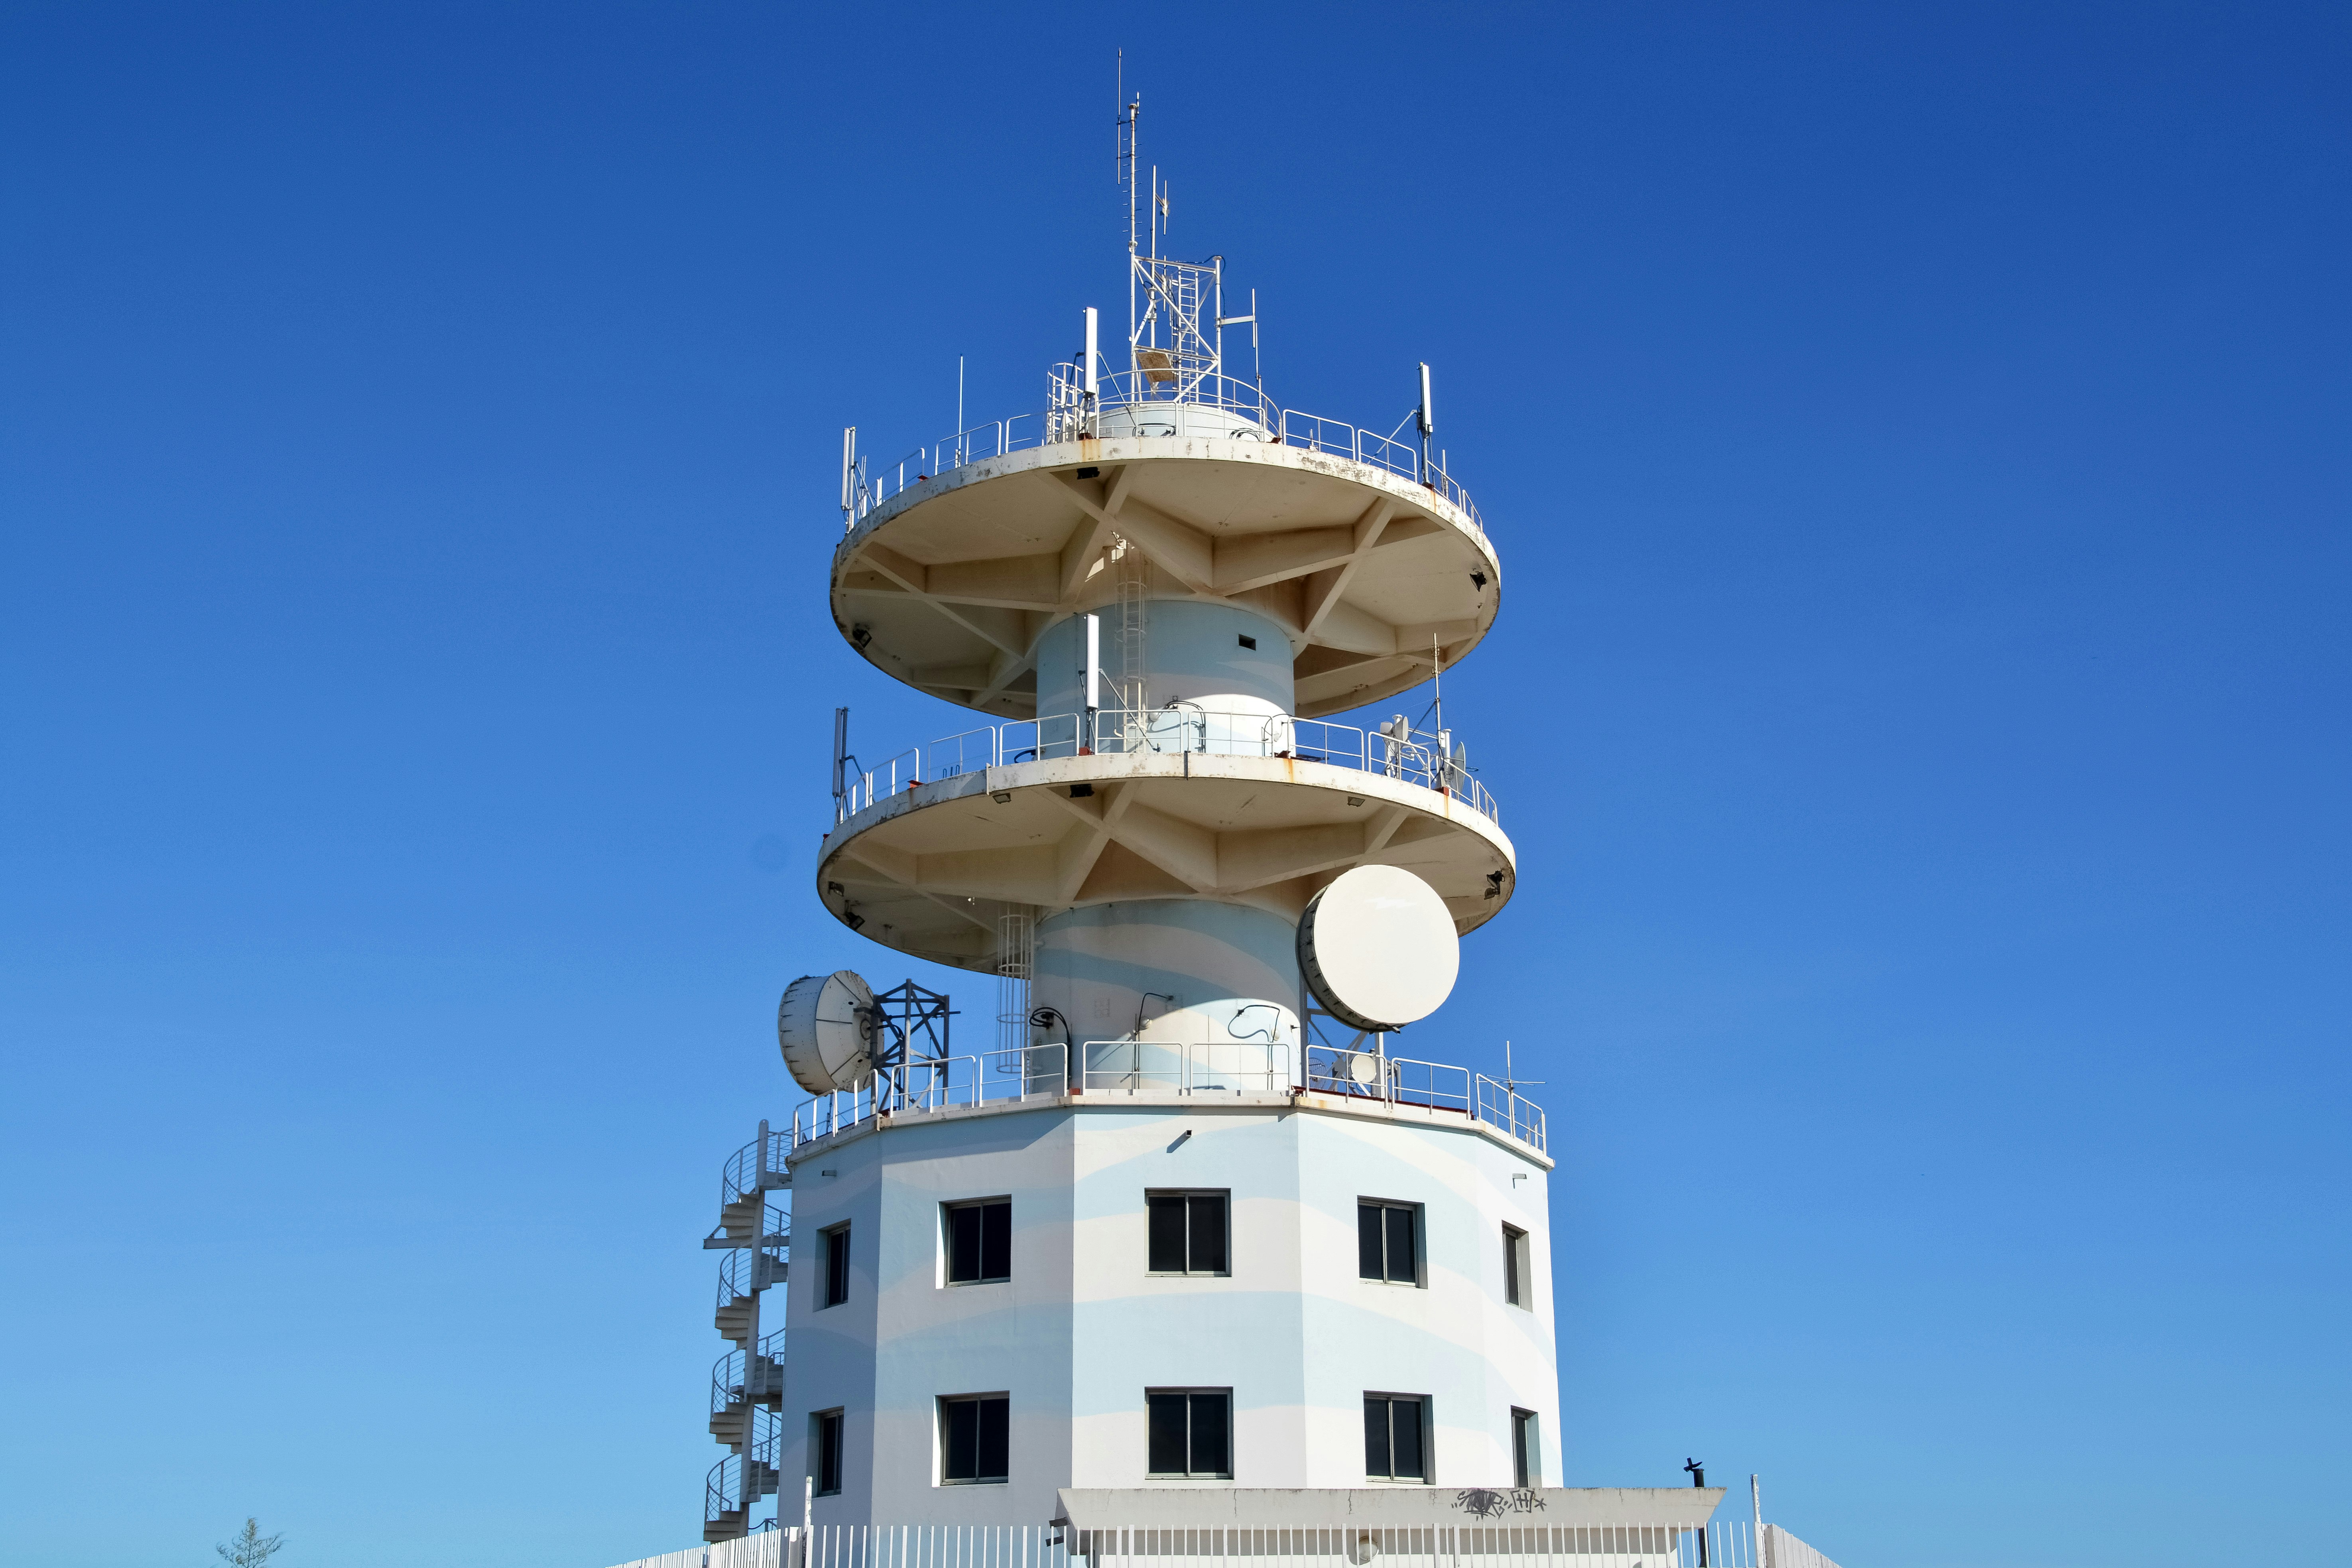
{"x":1082,"y":1329}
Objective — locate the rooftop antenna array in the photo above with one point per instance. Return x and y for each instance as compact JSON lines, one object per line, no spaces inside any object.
{"x":1169,"y":352}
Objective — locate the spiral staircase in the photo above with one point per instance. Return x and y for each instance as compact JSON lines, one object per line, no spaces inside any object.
{"x":747,"y":1384}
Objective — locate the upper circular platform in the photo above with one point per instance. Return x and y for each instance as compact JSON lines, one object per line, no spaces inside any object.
{"x":949,"y":584}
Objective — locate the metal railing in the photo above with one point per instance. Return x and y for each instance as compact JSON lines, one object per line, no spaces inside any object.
{"x":728,"y":1385}
{"x":764,"y":1549}
{"x":1217,"y":407}
{"x":741,"y":1480}
{"x":1432,"y":1086}
{"x":1182,"y":1066}
{"x":1728,"y":1544}
{"x":934,"y":1083}
{"x":756,"y":1166}
{"x":1132,"y":1066}
{"x":1512,"y":1539}
{"x":1395,"y":750}
{"x":748,"y":1271}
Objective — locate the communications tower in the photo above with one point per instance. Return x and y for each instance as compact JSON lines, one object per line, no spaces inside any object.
{"x":1188,"y":1213}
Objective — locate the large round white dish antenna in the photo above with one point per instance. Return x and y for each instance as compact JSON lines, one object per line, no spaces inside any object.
{"x":826,"y":1026}
{"x":1377,"y":948}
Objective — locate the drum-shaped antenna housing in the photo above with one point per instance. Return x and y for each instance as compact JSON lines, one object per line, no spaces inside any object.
{"x":1377,"y":948}
{"x":826,"y":1025}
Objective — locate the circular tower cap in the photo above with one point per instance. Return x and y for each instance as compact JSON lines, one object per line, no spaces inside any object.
{"x":1377,"y":948}
{"x":826,"y":1026}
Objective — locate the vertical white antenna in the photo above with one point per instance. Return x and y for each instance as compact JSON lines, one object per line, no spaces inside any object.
{"x":1088,"y":378}
{"x":1257,"y":371}
{"x":849,"y":476}
{"x":1428,"y":423}
{"x":1093,"y":669}
{"x":1127,"y":133}
{"x":959,"y":405}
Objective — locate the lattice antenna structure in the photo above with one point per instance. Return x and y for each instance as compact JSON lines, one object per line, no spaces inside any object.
{"x":1174,"y":331}
{"x":910,"y":1025}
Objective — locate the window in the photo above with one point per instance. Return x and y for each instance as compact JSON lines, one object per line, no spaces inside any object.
{"x":975,"y":1438}
{"x":1394,"y":1449}
{"x":1187,"y":1232}
{"x":1516,"y":1281}
{"x":1191,"y":1431}
{"x":836,"y":1266}
{"x":980,"y":1241}
{"x":1527,"y":1452}
{"x":825,"y":1438}
{"x":1388,"y":1241}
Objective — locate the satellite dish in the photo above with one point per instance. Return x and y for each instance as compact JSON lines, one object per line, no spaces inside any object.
{"x":1363,"y":1068}
{"x":1377,"y":948}
{"x":826,"y":1026}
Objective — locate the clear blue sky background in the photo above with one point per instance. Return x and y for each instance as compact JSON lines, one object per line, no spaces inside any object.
{"x":1917,"y":441}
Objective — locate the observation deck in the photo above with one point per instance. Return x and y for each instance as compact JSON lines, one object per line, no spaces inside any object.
{"x":933,"y":848}
{"x":960,"y":556}
{"x":1336,"y":1080}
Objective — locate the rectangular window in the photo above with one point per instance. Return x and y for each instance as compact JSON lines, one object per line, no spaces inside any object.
{"x":836,"y":1266}
{"x":1526,"y":1453}
{"x":1393,"y":1446}
{"x":1186,"y":1233}
{"x":825,"y":1436}
{"x":1388,"y":1241}
{"x":975,"y":1438}
{"x":1191,"y":1431}
{"x":1514,"y":1267}
{"x":980,"y":1241}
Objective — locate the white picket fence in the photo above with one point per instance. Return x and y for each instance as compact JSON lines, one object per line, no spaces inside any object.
{"x":1733,"y":1543}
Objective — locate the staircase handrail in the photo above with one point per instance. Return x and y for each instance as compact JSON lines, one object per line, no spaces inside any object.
{"x":741,"y":1173}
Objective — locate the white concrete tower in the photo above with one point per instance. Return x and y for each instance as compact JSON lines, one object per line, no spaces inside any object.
{"x":1184,"y":1219}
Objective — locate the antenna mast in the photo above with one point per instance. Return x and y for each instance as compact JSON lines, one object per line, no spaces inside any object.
{"x":1131,"y":114}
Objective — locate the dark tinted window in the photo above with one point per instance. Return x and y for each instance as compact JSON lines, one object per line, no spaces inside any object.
{"x":836,"y":1266}
{"x":1186,"y":1233}
{"x":1515,"y":1241}
{"x":1189,"y":1431}
{"x":1386,"y":1243}
{"x":1392,"y":1447}
{"x":1169,"y":1448}
{"x":1211,"y":1433}
{"x":975,"y":1438}
{"x":979,"y":1242}
{"x":828,"y":1452}
{"x":1527,"y":1459}
{"x":1167,"y":1224}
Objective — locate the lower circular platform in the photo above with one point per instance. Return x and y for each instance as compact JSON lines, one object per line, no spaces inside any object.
{"x":933,"y":870}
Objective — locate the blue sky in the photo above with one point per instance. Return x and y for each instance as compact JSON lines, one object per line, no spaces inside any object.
{"x":1916,"y":440}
